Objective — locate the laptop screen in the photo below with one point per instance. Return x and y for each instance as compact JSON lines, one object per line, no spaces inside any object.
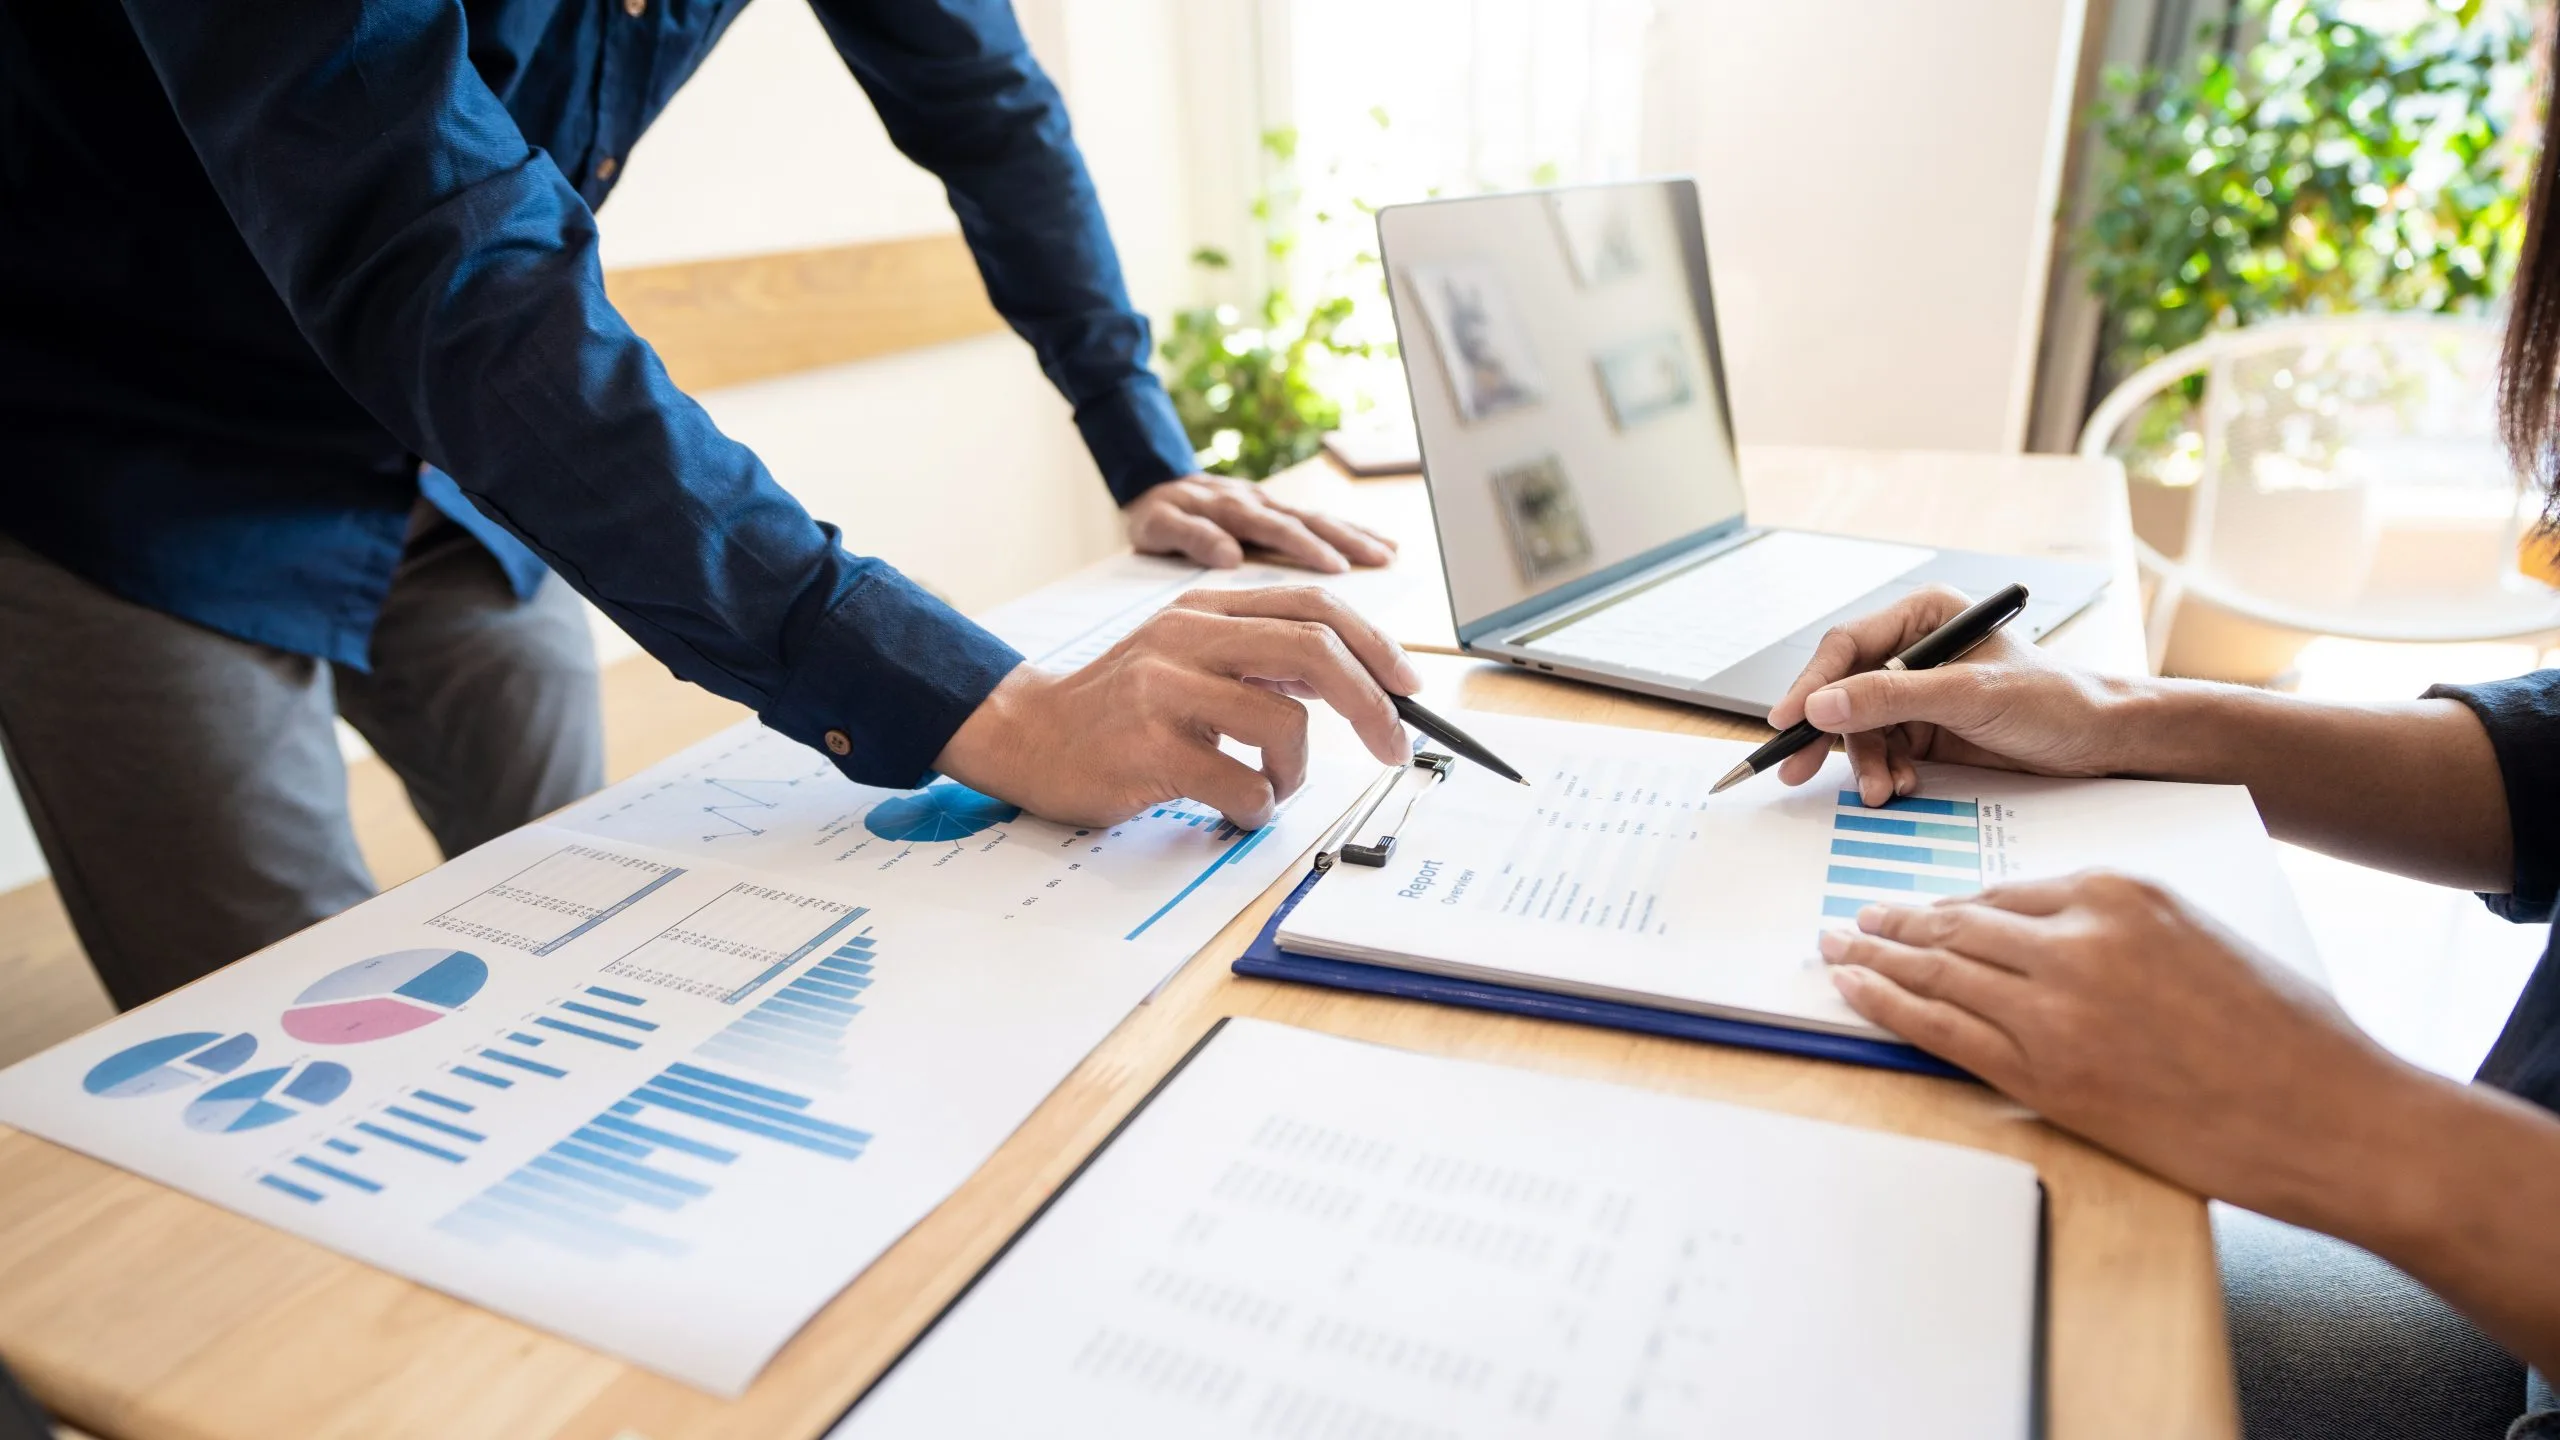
{"x":1560,"y":347}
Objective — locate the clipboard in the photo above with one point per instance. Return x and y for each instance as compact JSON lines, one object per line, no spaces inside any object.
{"x":1264,"y":959}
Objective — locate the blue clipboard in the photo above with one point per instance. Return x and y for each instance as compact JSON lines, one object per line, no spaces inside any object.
{"x":1266,"y":960}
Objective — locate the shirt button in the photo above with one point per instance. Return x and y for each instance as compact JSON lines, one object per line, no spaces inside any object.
{"x":605,"y":168}
{"x":839,"y":742}
{"x":635,"y":8}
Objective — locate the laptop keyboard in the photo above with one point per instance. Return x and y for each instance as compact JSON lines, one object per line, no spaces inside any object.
{"x":1702,"y":621}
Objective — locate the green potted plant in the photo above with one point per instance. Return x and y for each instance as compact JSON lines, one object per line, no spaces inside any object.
{"x":1251,"y":381}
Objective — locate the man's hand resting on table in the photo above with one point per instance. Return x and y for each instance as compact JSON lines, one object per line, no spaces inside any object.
{"x":1211,"y":518}
{"x":1141,"y":724}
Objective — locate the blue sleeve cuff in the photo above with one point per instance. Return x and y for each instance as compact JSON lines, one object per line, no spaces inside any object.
{"x":885,"y":678}
{"x":1135,"y":437}
{"x":2522,"y":717}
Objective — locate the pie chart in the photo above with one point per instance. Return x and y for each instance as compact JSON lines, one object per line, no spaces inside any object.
{"x":168,"y":1063}
{"x":944,"y":810}
{"x":263,"y":1097}
{"x":387,"y":995}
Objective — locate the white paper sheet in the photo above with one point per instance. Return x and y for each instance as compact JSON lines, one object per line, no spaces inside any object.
{"x":1615,"y":874}
{"x":663,"y":1107}
{"x":1707,"y":619}
{"x":1308,"y":1236}
{"x":690,"y":954}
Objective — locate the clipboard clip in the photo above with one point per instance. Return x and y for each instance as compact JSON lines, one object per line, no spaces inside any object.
{"x":1430,"y":763}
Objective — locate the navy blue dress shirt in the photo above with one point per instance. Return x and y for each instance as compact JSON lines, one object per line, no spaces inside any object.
{"x":258,"y":258}
{"x":2522,"y":717}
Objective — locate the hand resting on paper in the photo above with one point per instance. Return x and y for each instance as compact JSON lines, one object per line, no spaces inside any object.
{"x":1209,"y":519}
{"x":2117,"y":1011}
{"x":1141,"y":724}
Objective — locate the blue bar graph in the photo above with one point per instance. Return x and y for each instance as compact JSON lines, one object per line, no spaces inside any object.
{"x":298,"y":1192}
{"x":343,"y":1177}
{"x":798,"y":1032}
{"x":1903,"y":852}
{"x":610,"y":1017}
{"x":655,"y":1153}
{"x":620,"y":1042}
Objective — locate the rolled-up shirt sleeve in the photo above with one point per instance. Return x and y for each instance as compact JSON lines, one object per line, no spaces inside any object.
{"x":446,"y":273}
{"x":957,"y":87}
{"x":2522,"y":717}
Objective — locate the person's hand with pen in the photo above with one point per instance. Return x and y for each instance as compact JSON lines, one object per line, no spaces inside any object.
{"x":2118,"y":1012}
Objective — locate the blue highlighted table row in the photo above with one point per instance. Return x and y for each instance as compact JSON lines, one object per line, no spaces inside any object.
{"x":1968,"y":861}
{"x":1915,"y":829}
{"x":1903,"y":880}
{"x":1913,"y":805}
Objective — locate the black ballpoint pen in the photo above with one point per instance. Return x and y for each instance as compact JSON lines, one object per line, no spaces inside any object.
{"x":1978,"y":622}
{"x":1453,"y":737}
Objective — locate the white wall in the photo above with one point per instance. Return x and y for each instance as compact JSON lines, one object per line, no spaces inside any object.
{"x":1879,"y":179}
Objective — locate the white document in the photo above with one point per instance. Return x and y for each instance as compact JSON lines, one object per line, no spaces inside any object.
{"x":667,"y":1074}
{"x":661,"y":1107}
{"x":1309,"y":1236}
{"x":1706,"y":619}
{"x":1614,"y":874}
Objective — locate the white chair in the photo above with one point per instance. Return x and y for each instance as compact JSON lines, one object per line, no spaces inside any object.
{"x":2340,"y":475}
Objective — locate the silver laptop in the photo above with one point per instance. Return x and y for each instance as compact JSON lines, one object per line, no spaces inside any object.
{"x":1570,"y":400}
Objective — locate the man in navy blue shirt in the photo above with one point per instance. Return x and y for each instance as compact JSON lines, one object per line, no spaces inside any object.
{"x":260,"y":259}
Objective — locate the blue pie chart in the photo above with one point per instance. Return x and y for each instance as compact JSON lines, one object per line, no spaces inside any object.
{"x":263,"y":1097}
{"x":943,"y":810}
{"x":168,"y":1063}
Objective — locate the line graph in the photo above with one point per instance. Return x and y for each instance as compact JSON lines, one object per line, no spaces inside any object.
{"x":735,"y":798}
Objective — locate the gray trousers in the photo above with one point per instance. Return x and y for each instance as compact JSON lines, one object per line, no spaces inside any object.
{"x":187,"y":787}
{"x":2328,"y":1341}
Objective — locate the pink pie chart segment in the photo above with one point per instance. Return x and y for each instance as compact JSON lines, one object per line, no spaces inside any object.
{"x":352,"y":1022}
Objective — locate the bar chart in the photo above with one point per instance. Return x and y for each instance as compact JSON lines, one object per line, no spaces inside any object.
{"x":553,"y":901}
{"x":798,"y":1032}
{"x":1907,"y":851}
{"x":428,"y":1127}
{"x":609,"y":1188}
{"x":733,"y":944}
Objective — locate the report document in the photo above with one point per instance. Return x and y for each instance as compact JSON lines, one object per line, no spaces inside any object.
{"x":1615,"y":874}
{"x":1302,"y":1235}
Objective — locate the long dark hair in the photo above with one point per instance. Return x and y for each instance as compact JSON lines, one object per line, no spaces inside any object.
{"x":2529,"y":368}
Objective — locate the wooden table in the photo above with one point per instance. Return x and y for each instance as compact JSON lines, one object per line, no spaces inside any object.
{"x":135,"y":1310}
